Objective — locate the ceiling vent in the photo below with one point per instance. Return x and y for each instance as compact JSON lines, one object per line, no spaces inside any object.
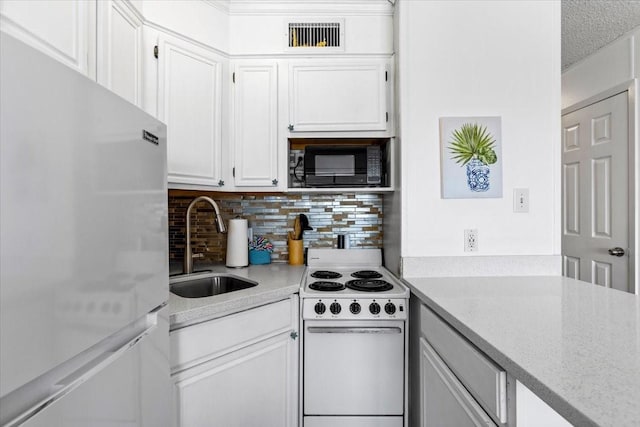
{"x":315,"y":36}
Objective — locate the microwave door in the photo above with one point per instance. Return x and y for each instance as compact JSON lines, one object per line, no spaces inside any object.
{"x":335,"y":165}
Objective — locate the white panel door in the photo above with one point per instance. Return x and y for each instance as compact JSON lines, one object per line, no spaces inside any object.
{"x":119,"y":54}
{"x":63,"y":29}
{"x":190,"y":103}
{"x":255,"y":101}
{"x":338,"y":96}
{"x":595,"y":156}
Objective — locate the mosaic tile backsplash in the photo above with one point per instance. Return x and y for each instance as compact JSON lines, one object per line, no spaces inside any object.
{"x":272,"y":215}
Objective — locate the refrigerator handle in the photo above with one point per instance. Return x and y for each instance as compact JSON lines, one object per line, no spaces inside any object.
{"x":31,"y":398}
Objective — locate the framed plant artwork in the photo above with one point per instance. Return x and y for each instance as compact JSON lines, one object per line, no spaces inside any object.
{"x":471,"y":157}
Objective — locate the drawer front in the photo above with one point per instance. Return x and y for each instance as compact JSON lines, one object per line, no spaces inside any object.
{"x":444,"y":400}
{"x":482,"y":377}
{"x":199,"y":343}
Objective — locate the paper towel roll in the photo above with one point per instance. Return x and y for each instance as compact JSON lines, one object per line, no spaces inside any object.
{"x":237,"y":243}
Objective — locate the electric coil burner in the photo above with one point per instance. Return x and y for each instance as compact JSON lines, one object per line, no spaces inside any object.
{"x":325,"y":274}
{"x":369,"y":285}
{"x":324,"y":286}
{"x":354,"y":313}
{"x":366,"y":274}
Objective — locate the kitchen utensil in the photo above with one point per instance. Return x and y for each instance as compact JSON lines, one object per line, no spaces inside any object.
{"x":304,"y":221}
{"x":297,"y":229}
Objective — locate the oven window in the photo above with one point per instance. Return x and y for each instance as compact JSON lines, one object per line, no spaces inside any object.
{"x":335,"y":165}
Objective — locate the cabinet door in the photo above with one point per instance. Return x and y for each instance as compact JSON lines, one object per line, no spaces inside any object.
{"x":444,"y":400}
{"x":338,"y":96}
{"x":255,"y":386}
{"x":190,"y":103}
{"x":63,"y":29}
{"x":119,"y":54}
{"x":255,"y":108}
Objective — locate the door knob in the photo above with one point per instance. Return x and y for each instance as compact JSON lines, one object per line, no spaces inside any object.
{"x":616,"y":251}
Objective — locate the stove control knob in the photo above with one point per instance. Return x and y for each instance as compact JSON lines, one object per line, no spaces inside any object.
{"x":335,"y":307}
{"x":374,"y":308}
{"x":320,"y":308}
{"x":390,"y":308}
{"x":354,"y":308}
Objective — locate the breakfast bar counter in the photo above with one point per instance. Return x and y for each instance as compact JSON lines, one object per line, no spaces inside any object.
{"x":575,"y":345}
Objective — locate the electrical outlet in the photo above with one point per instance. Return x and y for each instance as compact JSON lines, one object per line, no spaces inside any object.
{"x":521,"y":200}
{"x":471,"y":240}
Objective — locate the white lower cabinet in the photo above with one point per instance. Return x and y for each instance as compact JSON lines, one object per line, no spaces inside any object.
{"x":239,"y":370}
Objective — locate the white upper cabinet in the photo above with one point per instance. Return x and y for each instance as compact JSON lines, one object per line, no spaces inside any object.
{"x":62,"y":29}
{"x":190,"y":103}
{"x":339,"y":95}
{"x":255,"y":124}
{"x":119,"y":50}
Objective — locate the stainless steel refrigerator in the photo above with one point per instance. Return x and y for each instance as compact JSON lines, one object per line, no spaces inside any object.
{"x":83,"y":246}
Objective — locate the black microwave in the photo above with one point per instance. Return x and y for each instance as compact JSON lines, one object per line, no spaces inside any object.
{"x":343,"y":166}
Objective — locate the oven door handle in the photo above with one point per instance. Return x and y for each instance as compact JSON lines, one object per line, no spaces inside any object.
{"x":353,"y":330}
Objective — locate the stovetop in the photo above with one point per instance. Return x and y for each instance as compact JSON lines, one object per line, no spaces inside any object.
{"x":349,"y":273}
{"x":351,"y":284}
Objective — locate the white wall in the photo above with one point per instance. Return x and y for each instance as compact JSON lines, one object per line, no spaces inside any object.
{"x":489,"y":58}
{"x":613,"y":65}
{"x":616,"y":63}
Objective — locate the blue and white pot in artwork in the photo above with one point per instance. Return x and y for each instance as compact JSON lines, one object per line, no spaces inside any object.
{"x":477,"y":175}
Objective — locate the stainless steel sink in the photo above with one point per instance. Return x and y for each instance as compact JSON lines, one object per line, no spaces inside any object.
{"x":206,"y":285}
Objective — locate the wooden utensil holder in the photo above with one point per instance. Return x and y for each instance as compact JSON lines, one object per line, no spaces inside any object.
{"x":296,"y":252}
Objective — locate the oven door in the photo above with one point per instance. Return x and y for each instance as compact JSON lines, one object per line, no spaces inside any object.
{"x":354,"y":367}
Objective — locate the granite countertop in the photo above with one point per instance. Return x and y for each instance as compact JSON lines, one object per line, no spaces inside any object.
{"x":276,"y":281}
{"x":575,"y":345}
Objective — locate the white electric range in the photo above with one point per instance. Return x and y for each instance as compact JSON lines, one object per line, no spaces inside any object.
{"x":354,"y":313}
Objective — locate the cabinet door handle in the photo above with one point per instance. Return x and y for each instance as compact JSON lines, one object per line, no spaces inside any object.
{"x":290,"y":127}
{"x":274,"y":182}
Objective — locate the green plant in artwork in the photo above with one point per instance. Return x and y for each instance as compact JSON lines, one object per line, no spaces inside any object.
{"x":473,"y":141}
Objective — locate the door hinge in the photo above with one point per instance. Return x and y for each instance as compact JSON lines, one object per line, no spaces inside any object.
{"x":387,"y":115}
{"x":386,"y":76}
{"x":293,"y":335}
{"x":233,"y":77}
{"x":155,"y":51}
{"x":233,"y":171}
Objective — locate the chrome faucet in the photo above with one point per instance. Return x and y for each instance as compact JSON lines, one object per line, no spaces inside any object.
{"x":188,"y":256}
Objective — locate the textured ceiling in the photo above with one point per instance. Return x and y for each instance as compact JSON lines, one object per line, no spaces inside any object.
{"x":587,"y":25}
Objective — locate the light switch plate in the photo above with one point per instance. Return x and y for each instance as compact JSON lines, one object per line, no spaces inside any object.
{"x":521,"y":200}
